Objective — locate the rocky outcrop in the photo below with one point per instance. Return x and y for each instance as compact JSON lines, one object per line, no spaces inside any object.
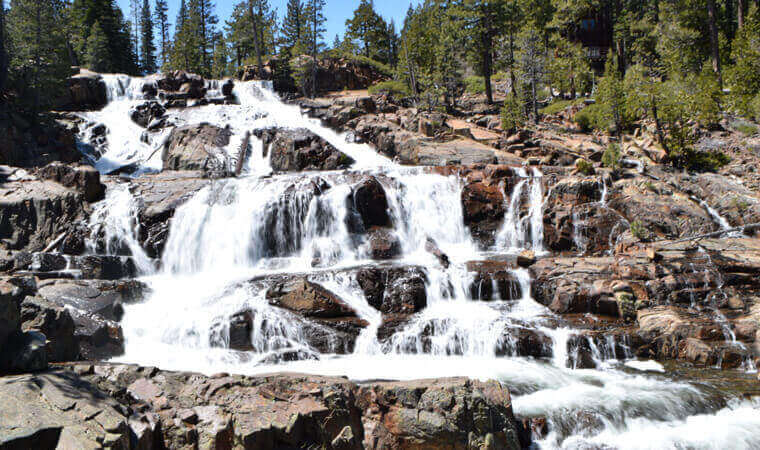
{"x":34,"y":213}
{"x":294,"y":150}
{"x":84,"y":179}
{"x":87,"y":91}
{"x":333,"y":74}
{"x":370,"y":204}
{"x":197,"y":147}
{"x":145,"y":114}
{"x":33,"y":141}
{"x":483,"y":207}
{"x":308,"y":299}
{"x":84,"y":406}
{"x":394,"y":289}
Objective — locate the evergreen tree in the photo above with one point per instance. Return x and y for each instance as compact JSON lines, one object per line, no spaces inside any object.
{"x":532,"y":65}
{"x":221,"y":58}
{"x":316,"y":34}
{"x":293,"y":24}
{"x":147,"y":48}
{"x":82,"y":14}
{"x":162,"y":23}
{"x":186,"y":50}
{"x":367,"y":27}
{"x":134,"y":20}
{"x":38,"y":55}
{"x":483,"y":23}
{"x":744,"y":76}
{"x":207,"y":21}
{"x":98,"y":56}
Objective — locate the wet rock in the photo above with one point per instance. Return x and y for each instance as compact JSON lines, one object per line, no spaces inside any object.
{"x":55,"y":322}
{"x":432,"y":247}
{"x":383,"y":244}
{"x":483,"y":209}
{"x":308,"y":299}
{"x":11,"y":296}
{"x":524,"y":341}
{"x":493,"y":280}
{"x":100,"y":267}
{"x":197,"y":147}
{"x":227,"y":88}
{"x":96,"y":308}
{"x":34,"y":213}
{"x":369,"y":201}
{"x":146,"y":113}
{"x":84,"y":179}
{"x":696,"y":352}
{"x":295,"y":150}
{"x":394,"y":289}
{"x":158,"y":196}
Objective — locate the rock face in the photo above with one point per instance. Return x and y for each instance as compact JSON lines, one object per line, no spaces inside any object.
{"x":308,"y":299}
{"x":197,"y":147}
{"x":333,"y":74}
{"x":87,"y":91}
{"x":483,"y":208}
{"x":146,"y":113}
{"x":394,"y":289}
{"x":126,"y":407}
{"x":33,"y":213}
{"x":84,"y":179}
{"x":300,"y":149}
{"x":369,"y":202}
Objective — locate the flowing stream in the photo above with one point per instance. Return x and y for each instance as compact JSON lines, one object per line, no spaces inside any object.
{"x":260,"y":226}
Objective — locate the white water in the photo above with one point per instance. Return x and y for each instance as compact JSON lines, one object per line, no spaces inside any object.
{"x":231,"y":235}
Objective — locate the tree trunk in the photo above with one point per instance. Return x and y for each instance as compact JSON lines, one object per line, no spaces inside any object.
{"x":3,"y":54}
{"x":535,"y":102}
{"x":256,"y":43}
{"x":487,"y":65}
{"x":740,"y":13}
{"x":713,"y":23}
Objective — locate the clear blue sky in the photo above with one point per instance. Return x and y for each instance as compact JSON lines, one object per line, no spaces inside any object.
{"x":336,"y":12}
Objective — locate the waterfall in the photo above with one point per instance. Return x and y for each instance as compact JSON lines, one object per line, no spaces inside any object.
{"x":235,"y":238}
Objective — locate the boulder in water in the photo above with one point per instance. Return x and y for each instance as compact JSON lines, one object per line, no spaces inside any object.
{"x":383,"y":243}
{"x":227,"y":88}
{"x":483,"y":208}
{"x":295,"y":150}
{"x":369,"y":201}
{"x":394,"y":289}
{"x":87,"y":90}
{"x":197,"y":147}
{"x":55,"y":323}
{"x":308,"y":299}
{"x":146,"y":113}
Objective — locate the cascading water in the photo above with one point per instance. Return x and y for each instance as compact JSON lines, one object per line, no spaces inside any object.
{"x":232,"y":238}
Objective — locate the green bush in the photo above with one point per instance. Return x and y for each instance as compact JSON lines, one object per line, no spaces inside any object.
{"x":638,"y":231}
{"x":755,"y":107}
{"x":707,"y":161}
{"x":380,"y":67}
{"x":391,"y":87}
{"x":591,"y":117}
{"x":612,"y":156}
{"x":512,"y":114}
{"x":558,"y":106}
{"x":584,"y":167}
{"x":746,"y":128}
{"x":474,"y":84}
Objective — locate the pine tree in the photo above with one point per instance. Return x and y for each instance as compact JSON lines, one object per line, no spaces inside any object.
{"x":483,"y":23}
{"x":162,"y":23}
{"x":367,"y":27}
{"x":207,"y":20}
{"x":221,"y":57}
{"x":39,"y":59}
{"x":186,"y":52}
{"x":293,"y":24}
{"x":134,"y":20}
{"x":316,"y":34}
{"x":98,"y":56}
{"x":532,"y":65}
{"x":147,"y":48}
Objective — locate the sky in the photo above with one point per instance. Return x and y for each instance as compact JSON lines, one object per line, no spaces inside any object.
{"x":336,"y":12}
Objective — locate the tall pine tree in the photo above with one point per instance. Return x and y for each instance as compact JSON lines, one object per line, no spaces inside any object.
{"x":98,"y":57}
{"x":316,"y":35}
{"x":367,"y":27}
{"x":147,"y":47}
{"x":161,"y":18}
{"x":39,"y":58}
{"x":293,"y":26}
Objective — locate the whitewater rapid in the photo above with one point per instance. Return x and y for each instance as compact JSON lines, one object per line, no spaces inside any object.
{"x":223,"y":237}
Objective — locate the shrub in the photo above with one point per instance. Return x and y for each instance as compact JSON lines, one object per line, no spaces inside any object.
{"x":584,"y":167}
{"x":392,"y":87}
{"x":559,"y":106}
{"x":474,"y":85}
{"x":707,"y":161}
{"x":512,"y":114}
{"x":591,"y":117}
{"x":612,"y":156}
{"x":746,"y":128}
{"x":638,"y":230}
